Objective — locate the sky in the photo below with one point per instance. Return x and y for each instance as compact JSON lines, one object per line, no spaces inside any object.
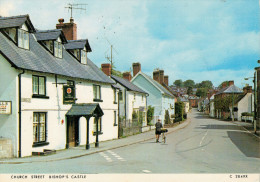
{"x":214,"y":40}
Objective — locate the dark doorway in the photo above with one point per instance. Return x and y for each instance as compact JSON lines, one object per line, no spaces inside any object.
{"x":72,"y":131}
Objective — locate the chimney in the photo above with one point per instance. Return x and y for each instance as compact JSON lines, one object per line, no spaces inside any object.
{"x":127,"y":76}
{"x":156,"y":75}
{"x":231,"y":82}
{"x":106,"y":68}
{"x":69,"y":29}
{"x":161,"y":76}
{"x":136,"y":68}
{"x":166,"y":80}
{"x":247,"y":89}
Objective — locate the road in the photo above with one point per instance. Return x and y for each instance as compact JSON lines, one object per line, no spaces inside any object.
{"x":204,"y":146}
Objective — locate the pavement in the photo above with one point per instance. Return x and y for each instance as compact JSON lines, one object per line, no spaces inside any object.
{"x":80,"y":151}
{"x":249,"y":127}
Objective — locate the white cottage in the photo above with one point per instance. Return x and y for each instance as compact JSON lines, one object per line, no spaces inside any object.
{"x":51,"y":95}
{"x":159,"y":97}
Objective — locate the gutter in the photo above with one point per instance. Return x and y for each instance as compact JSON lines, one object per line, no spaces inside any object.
{"x":19,"y":113}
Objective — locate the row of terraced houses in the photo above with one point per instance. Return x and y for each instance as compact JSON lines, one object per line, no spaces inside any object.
{"x":52,"y":96}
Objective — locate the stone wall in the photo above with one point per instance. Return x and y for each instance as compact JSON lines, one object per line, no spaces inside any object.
{"x":6,"y":149}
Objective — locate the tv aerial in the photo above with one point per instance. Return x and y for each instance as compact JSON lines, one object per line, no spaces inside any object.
{"x":71,"y":7}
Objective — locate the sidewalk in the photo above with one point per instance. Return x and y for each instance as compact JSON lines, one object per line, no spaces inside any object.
{"x":248,"y":127}
{"x":103,"y":146}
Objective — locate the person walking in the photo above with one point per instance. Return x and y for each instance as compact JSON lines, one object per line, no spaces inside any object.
{"x":158,"y":126}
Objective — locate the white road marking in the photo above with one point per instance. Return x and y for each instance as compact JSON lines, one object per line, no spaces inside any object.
{"x":203,"y":138}
{"x":146,"y":171}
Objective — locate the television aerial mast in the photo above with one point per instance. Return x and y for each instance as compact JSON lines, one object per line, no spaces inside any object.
{"x":75,"y":6}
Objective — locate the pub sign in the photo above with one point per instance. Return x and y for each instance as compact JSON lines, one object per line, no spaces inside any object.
{"x":5,"y":107}
{"x":69,"y":94}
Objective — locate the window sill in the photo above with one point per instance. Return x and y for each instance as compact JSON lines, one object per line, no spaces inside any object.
{"x":40,"y":96}
{"x":97,"y":100}
{"x":115,"y":102}
{"x":99,"y":133}
{"x":39,"y":144}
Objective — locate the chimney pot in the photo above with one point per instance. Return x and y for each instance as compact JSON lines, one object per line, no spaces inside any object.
{"x":61,"y":20}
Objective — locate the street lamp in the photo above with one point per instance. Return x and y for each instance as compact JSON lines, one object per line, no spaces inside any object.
{"x":254,"y":81}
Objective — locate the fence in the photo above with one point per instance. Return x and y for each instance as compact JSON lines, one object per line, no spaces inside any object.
{"x":129,"y":127}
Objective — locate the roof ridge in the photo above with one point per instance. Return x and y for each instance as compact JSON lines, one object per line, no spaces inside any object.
{"x":13,"y":17}
{"x":46,"y":31}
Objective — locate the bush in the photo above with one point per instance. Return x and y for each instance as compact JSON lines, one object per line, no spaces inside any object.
{"x":177,"y":119}
{"x":134,"y":115}
{"x":150,"y":113}
{"x":247,"y":114}
{"x":184,"y":116}
{"x":167,"y":117}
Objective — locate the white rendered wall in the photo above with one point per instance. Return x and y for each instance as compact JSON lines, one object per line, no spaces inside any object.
{"x":56,"y":111}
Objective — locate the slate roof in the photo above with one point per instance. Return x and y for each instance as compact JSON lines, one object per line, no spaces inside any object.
{"x":16,"y":21}
{"x":130,"y":86}
{"x":229,"y":90}
{"x":78,"y":44}
{"x":50,"y":35}
{"x":85,"y":110}
{"x":40,"y":60}
{"x":161,"y":88}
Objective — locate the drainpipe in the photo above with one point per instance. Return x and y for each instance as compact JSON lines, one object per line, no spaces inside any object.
{"x":118,"y":115}
{"x":125,"y":104}
{"x":19,"y":113}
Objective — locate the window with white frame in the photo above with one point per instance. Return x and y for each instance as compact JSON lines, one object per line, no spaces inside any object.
{"x":83,"y":57}
{"x":96,"y":92}
{"x":39,"y":127}
{"x":39,"y":85}
{"x":57,"y":49}
{"x":23,"y":39}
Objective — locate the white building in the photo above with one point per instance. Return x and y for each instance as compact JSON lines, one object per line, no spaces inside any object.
{"x":131,"y":99}
{"x":53,"y":89}
{"x":211,"y":106}
{"x":159,"y":97}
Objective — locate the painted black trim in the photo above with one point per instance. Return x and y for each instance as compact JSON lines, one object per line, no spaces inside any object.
{"x":99,"y":133}
{"x":45,"y":139}
{"x":40,"y":96}
{"x":38,"y":85}
{"x":97,"y":100}
{"x":115,"y":102}
{"x":39,"y":144}
{"x":20,"y":114}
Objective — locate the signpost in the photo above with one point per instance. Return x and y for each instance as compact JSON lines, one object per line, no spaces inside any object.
{"x":5,"y":107}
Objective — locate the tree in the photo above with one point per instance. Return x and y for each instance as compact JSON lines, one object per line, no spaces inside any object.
{"x":178,"y":83}
{"x":189,"y":83}
{"x":225,"y":82}
{"x":202,"y":92}
{"x":206,"y":84}
{"x":189,"y":91}
{"x":167,"y":117}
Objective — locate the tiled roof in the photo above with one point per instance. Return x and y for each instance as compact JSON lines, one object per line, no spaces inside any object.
{"x":16,"y":21}
{"x":78,"y":44}
{"x":163,"y":90}
{"x":50,"y":35}
{"x":229,"y":90}
{"x":40,"y":60}
{"x":130,"y":86}
{"x":85,"y":110}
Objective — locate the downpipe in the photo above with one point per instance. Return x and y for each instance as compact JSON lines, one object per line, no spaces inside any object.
{"x":20,"y":113}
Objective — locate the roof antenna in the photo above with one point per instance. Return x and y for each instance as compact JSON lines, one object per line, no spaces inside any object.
{"x":75,"y":6}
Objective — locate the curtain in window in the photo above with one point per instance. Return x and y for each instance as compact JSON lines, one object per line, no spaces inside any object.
{"x":41,"y":86}
{"x":60,"y":50}
{"x":39,"y":120}
{"x":56,"y":49}
{"x":20,"y":40}
{"x":83,"y":57}
{"x":26,"y":40}
{"x":35,"y":85}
